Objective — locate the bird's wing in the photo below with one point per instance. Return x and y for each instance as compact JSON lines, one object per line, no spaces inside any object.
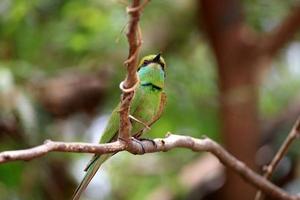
{"x":91,"y":169}
{"x":112,"y":127}
{"x":110,"y":134}
{"x":162,"y":105}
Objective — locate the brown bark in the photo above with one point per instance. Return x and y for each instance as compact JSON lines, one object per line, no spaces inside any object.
{"x":129,"y":84}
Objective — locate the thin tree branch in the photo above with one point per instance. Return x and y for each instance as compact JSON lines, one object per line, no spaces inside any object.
{"x":283,"y":33}
{"x":131,"y":81}
{"x":161,"y":144}
{"x":293,"y":135}
{"x":134,"y":42}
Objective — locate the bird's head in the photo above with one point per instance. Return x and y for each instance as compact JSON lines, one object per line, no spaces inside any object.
{"x":151,"y":70}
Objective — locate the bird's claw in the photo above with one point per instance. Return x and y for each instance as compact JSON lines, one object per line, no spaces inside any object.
{"x":140,"y":143}
{"x":149,"y":140}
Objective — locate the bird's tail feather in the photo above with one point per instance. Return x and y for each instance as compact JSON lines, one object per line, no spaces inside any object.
{"x":91,"y":171}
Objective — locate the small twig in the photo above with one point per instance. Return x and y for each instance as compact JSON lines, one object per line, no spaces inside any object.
{"x":293,"y":135}
{"x":131,"y":81}
{"x":139,"y":121}
{"x":161,"y":144}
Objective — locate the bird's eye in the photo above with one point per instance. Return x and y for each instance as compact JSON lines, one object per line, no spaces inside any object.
{"x":146,"y":62}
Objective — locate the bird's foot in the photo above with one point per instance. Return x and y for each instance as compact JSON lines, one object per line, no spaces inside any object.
{"x":149,"y":140}
{"x":140,"y":143}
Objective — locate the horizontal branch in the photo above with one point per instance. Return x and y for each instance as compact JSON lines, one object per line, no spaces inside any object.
{"x":160,"y":144}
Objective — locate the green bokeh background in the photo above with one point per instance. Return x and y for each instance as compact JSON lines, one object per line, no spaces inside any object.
{"x":43,"y":39}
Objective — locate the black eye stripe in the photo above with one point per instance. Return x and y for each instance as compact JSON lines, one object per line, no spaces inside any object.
{"x":147,"y":62}
{"x":162,"y":65}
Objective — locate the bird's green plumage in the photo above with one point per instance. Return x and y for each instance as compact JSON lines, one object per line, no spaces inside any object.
{"x":146,"y":106}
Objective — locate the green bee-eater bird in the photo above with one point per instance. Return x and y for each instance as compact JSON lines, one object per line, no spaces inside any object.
{"x":146,"y":108}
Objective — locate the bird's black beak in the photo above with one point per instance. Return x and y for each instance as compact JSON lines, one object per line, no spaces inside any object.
{"x":157,"y":58}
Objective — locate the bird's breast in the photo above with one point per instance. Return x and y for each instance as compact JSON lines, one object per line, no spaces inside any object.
{"x":147,"y":108}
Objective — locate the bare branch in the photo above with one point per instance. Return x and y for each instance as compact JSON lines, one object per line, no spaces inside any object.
{"x":293,"y":135}
{"x":49,"y":146}
{"x":161,"y":144}
{"x":283,"y":33}
{"x":131,"y":81}
{"x":134,"y":42}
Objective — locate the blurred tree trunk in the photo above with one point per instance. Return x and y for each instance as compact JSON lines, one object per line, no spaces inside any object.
{"x":235,"y":51}
{"x":240,"y":54}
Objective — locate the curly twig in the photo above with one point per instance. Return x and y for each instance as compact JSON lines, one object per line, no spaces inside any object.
{"x":131,"y":81}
